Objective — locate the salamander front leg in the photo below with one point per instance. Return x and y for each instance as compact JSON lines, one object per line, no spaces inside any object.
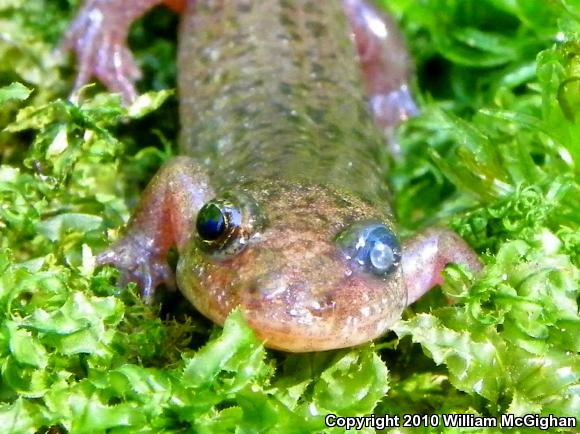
{"x":426,"y":255}
{"x":164,"y":219}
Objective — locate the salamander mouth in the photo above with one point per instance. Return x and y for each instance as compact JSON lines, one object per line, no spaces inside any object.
{"x":343,"y":317}
{"x":298,"y":309}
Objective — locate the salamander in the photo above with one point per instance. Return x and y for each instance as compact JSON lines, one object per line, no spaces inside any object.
{"x":277,"y":203}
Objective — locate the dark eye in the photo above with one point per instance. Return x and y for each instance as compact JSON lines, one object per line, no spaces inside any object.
{"x":211,"y":223}
{"x":371,"y":246}
{"x":226,"y":223}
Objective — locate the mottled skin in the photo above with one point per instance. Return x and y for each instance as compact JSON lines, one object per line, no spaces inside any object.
{"x":297,"y":290}
{"x":275,"y":108}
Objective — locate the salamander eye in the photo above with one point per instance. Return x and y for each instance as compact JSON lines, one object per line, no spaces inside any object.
{"x":226,"y":223}
{"x":211,"y":223}
{"x":371,"y":246}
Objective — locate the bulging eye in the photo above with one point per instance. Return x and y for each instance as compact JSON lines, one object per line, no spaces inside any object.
{"x":226,"y":223}
{"x":371,"y":246}
{"x":211,"y":222}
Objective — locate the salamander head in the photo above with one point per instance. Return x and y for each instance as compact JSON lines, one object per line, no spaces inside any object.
{"x":312,"y":269}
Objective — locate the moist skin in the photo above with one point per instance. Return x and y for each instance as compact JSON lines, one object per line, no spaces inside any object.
{"x":284,"y":106}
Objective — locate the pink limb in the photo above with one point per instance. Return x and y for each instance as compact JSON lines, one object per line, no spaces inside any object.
{"x":164,"y":219}
{"x":98,"y":36}
{"x":426,"y":255}
{"x":385,"y":63}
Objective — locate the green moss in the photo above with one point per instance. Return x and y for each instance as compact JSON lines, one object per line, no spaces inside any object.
{"x":494,"y":155}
